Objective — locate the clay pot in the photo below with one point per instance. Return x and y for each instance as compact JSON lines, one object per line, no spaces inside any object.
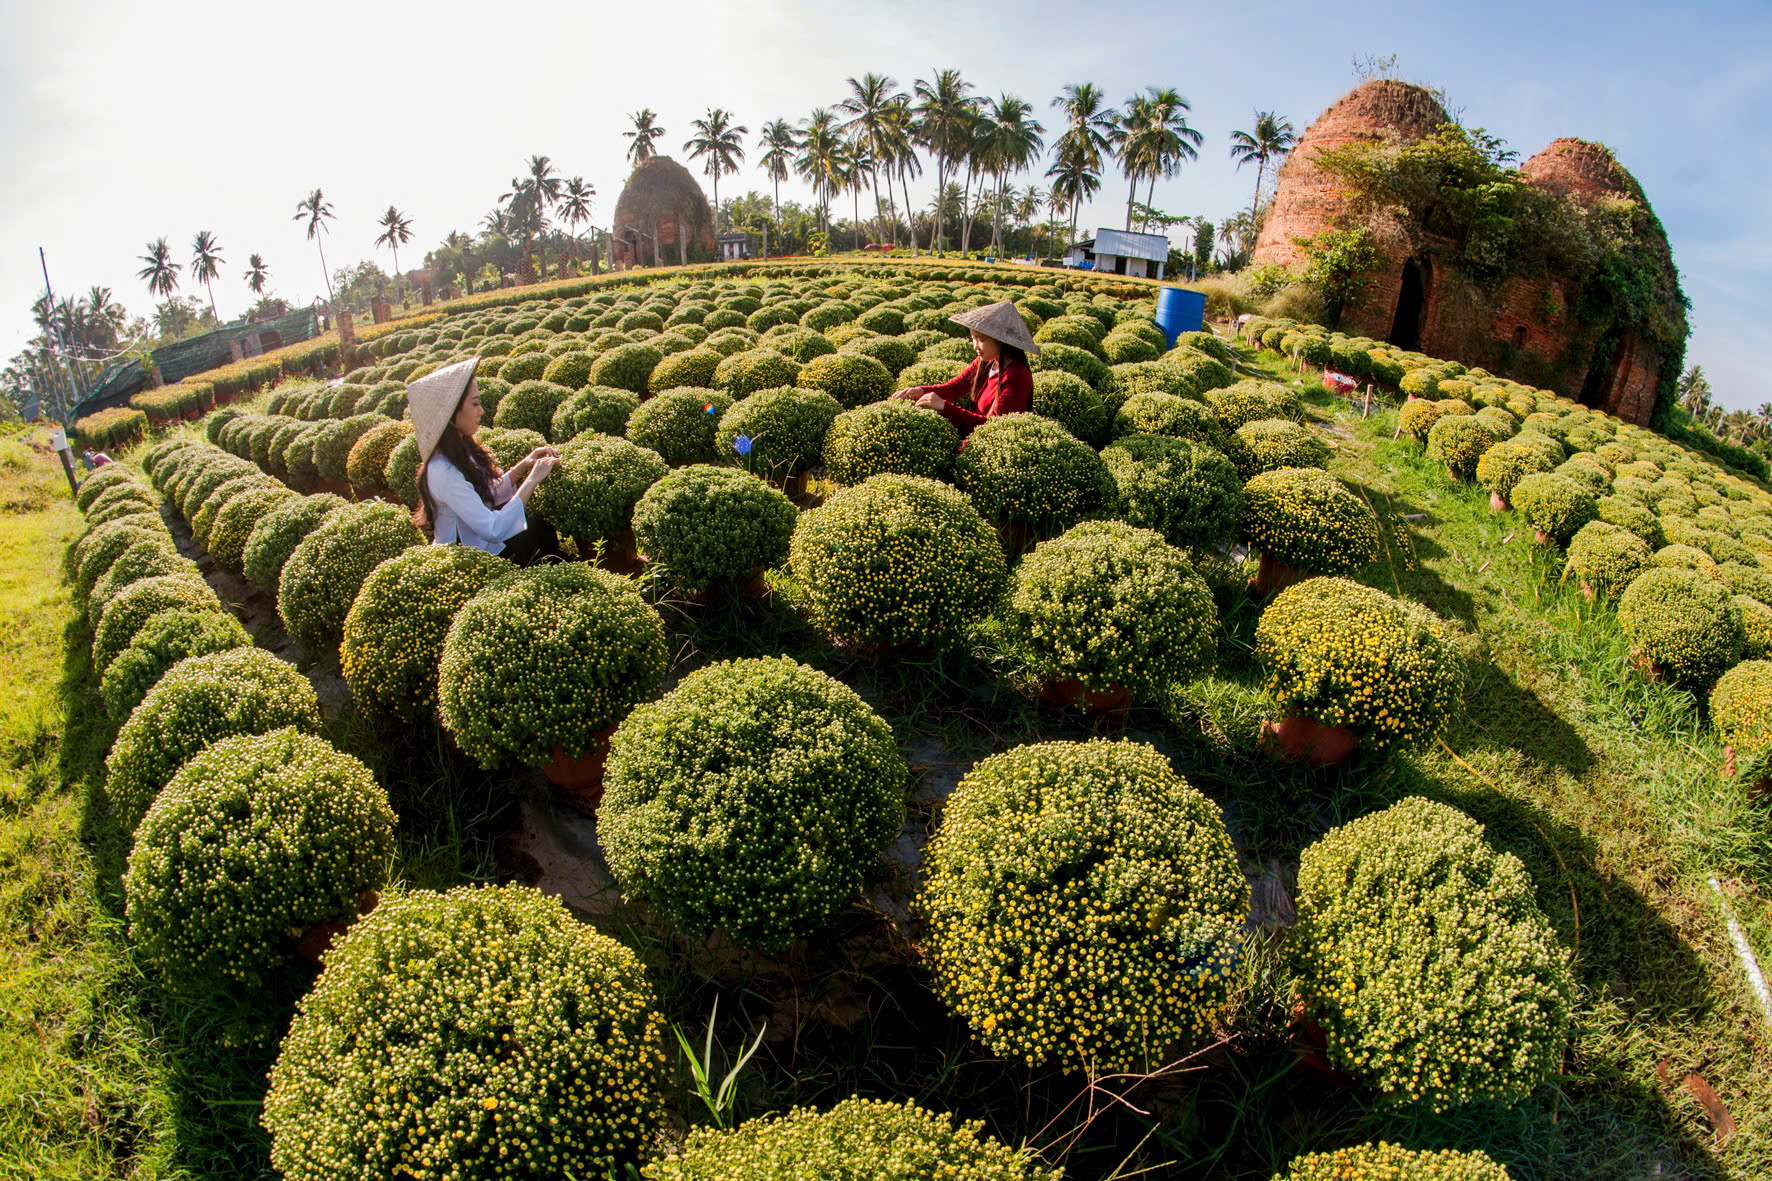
{"x":1587,"y":591}
{"x":1541,"y":537}
{"x":715,"y":593}
{"x":1303,"y":738}
{"x":1273,"y":575}
{"x":1651,"y":671}
{"x":1498,"y":503}
{"x":619,"y":554}
{"x":313,"y":942}
{"x":1110,"y":704}
{"x":582,"y":775}
{"x":1312,"y":1046}
{"x":1016,"y":536}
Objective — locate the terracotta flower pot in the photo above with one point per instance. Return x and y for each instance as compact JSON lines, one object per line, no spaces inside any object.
{"x":582,"y":775}
{"x":1016,"y":536}
{"x":1498,"y":503}
{"x":619,"y":554}
{"x":1111,"y":704}
{"x":1312,"y":1047}
{"x":313,"y":942}
{"x":1650,"y":669}
{"x":1541,"y":537}
{"x":1273,"y":575}
{"x":1304,"y":738}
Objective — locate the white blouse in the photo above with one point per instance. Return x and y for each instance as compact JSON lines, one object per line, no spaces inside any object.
{"x":463,"y":517}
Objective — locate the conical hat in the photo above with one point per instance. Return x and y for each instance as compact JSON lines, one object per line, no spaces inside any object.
{"x":433,"y":399}
{"x":1001,"y":322}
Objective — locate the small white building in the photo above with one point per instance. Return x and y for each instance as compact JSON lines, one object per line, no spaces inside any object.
{"x":737,"y":246}
{"x":1121,"y":252}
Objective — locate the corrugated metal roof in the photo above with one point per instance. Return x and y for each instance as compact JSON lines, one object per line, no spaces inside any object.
{"x":1122,"y":244}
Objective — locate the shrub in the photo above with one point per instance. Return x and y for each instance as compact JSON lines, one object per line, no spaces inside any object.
{"x":626,"y":367}
{"x":530,"y":406}
{"x":777,"y":432}
{"x":1429,"y":1012}
{"x":1554,"y":505}
{"x":754,"y":797}
{"x":1307,"y":519}
{"x":594,"y":409}
{"x":1383,"y":1160}
{"x":889,"y":351}
{"x":591,"y":494}
{"x":851,"y":379}
{"x":858,"y":1139}
{"x":920,"y":373}
{"x":325,"y":570}
{"x":1111,"y":606}
{"x":1155,"y":413}
{"x":507,"y":447}
{"x":693,"y":367}
{"x":102,"y":480}
{"x":571,"y":369}
{"x":757,"y":369}
{"x":1084,"y":905}
{"x":1067,"y":400}
{"x":1684,"y":622}
{"x":703,"y":524}
{"x":1507,"y":463}
{"x":210,"y":898}
{"x":135,"y":602}
{"x":1629,"y":515}
{"x":1184,"y":490}
{"x":366,"y":466}
{"x":393,"y":633}
{"x":332,"y":445}
{"x":1026,"y":469}
{"x":525,"y":367}
{"x":562,"y":1049}
{"x":101,"y":547}
{"x":217,"y":500}
{"x":195,"y":704}
{"x":1270,"y":443}
{"x":1202,"y":373}
{"x":1756,"y":628}
{"x":679,"y":424}
{"x":279,"y":531}
{"x":897,"y":560}
{"x":1459,"y":441}
{"x":889,"y":436}
{"x":1347,"y":655}
{"x":1080,"y":362}
{"x":1741,"y":708}
{"x":545,"y":660}
{"x":1120,"y":347}
{"x":1420,"y":385}
{"x":164,"y":638}
{"x":1251,"y":401}
{"x":1606,"y":557}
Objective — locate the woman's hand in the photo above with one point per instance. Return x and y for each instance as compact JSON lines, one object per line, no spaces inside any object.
{"x":933,"y":401}
{"x":543,"y":452}
{"x":538,"y":471}
{"x":910,"y":393}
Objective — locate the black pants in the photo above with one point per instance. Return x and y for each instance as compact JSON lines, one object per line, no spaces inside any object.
{"x":536,"y":544}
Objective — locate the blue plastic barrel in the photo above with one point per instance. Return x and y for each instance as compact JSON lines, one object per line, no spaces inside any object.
{"x":1180,"y":310}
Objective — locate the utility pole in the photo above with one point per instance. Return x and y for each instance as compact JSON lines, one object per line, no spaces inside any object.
{"x":54,"y":333}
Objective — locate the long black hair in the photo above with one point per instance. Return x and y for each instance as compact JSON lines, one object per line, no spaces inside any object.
{"x":1007,"y":355}
{"x":470,"y":458}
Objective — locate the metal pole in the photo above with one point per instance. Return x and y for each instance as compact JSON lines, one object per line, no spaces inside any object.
{"x":73,"y":382}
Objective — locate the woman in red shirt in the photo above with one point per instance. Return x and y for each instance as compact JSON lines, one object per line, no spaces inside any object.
{"x":997,"y":382}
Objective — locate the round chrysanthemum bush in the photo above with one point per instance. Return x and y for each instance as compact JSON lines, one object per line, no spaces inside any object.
{"x":1067,"y":400}
{"x":852,"y":379}
{"x":935,"y":372}
{"x":753,"y":798}
{"x":626,"y":367}
{"x":1555,"y":506}
{"x":134,"y":603}
{"x":279,"y":531}
{"x":1628,"y":514}
{"x":679,"y":424}
{"x":1112,"y":607}
{"x":1606,"y":558}
{"x":593,"y":410}
{"x":777,"y":433}
{"x":1085,"y":907}
{"x":332,"y":446}
{"x":1756,"y":628}
{"x":689,"y":368}
{"x":325,"y":571}
{"x":100,"y":481}
{"x":366,"y":467}
{"x":591,"y":494}
{"x":1459,"y":441}
{"x":897,"y":561}
{"x":858,"y":1140}
{"x":1252,"y":400}
{"x":102,"y":546}
{"x":703,"y":524}
{"x":1343,"y":654}
{"x":1268,"y":444}
{"x":1741,"y":707}
{"x":482,"y":1033}
{"x":1430,"y":1013}
{"x":237,"y":519}
{"x":1507,"y":463}
{"x":530,"y":406}
{"x":1685,"y":624}
{"x":1391,"y":1162}
{"x":255,"y":839}
{"x":213,"y":504}
{"x":889,"y":436}
{"x":1307,"y":519}
{"x":1155,"y":413}
{"x":755,"y":369}
{"x":393,"y":633}
{"x":165,"y":638}
{"x":1028,"y":470}
{"x":545,"y":660}
{"x":1185,"y":490}
{"x":196,"y":703}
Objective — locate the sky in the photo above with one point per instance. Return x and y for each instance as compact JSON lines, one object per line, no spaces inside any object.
{"x":126,"y":122}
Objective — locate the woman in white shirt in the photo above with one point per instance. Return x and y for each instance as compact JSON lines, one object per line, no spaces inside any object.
{"x":463,"y":497}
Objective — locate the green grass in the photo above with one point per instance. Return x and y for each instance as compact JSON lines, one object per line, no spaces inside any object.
{"x":1608,"y":788}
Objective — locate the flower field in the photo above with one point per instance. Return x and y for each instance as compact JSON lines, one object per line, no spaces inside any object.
{"x":1201,"y":775}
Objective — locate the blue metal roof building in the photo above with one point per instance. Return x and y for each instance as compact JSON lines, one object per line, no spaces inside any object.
{"x":1121,"y":252}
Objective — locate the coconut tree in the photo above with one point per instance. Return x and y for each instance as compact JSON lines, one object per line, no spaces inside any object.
{"x":1056,"y":206}
{"x":1010,"y":139}
{"x":318,"y":212}
{"x":779,"y":142}
{"x":1153,"y":137}
{"x":396,"y":231}
{"x":717,"y":140}
{"x":823,"y":161}
{"x":644,"y":132}
{"x":1075,"y":178}
{"x":945,"y":113}
{"x":575,"y":206}
{"x":1271,"y":138}
{"x":257,"y":273}
{"x":161,"y":273}
{"x":206,"y":264}
{"x":900,"y":127}
{"x":870,"y":103}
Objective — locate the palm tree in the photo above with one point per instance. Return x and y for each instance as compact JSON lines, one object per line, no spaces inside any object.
{"x":642,"y":149}
{"x":870,"y":102}
{"x":257,"y":273}
{"x":206,"y":264}
{"x":161,"y":273}
{"x":396,"y":231}
{"x":944,"y":117}
{"x":1056,"y":205}
{"x":1153,"y":138}
{"x":779,"y":142}
{"x":1088,"y":135}
{"x":543,"y":185}
{"x":823,"y":161}
{"x":318,"y":213}
{"x":717,"y":139}
{"x":1694,"y":391}
{"x":1076,"y":178}
{"x":1010,"y":141}
{"x":575,"y":206}
{"x":900,"y":133}
{"x":1271,"y":139}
